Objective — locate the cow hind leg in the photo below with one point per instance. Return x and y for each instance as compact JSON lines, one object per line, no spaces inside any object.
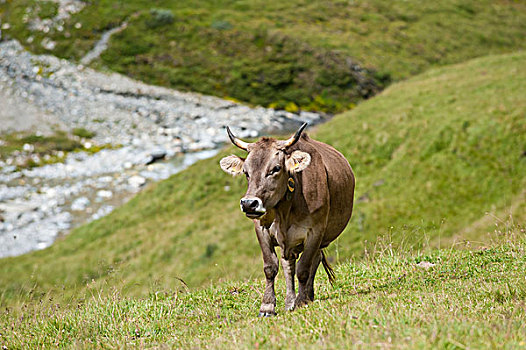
{"x":311,"y":254}
{"x":314,"y":267}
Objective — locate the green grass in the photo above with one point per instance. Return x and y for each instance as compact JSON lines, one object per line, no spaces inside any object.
{"x":469,"y":299}
{"x":49,"y":149}
{"x":438,"y":158}
{"x":43,"y":145}
{"x":282,"y":54}
{"x":81,"y":132}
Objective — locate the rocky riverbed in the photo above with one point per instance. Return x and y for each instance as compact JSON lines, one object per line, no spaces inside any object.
{"x":156,"y":132}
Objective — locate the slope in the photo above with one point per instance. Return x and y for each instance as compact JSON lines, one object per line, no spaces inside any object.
{"x":321,"y":55}
{"x":432,"y":156}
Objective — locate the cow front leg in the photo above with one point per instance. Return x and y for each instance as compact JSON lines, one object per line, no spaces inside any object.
{"x":289,"y":269}
{"x":305,"y":265}
{"x":270,"y":267}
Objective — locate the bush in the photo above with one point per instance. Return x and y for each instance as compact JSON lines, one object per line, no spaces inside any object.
{"x":160,"y":17}
{"x":221,"y":25}
{"x":47,"y":9}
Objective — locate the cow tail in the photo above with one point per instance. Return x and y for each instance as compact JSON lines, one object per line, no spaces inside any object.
{"x":328,"y":268}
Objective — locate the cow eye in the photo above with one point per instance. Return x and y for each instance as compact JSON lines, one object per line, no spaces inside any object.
{"x":274,"y":170}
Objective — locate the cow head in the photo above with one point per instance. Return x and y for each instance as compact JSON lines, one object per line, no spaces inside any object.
{"x":268,"y":167}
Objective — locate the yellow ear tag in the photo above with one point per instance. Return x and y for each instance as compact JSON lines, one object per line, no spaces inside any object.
{"x":291,"y":184}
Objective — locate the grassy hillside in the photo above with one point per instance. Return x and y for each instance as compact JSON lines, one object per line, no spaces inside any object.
{"x":278,"y":53}
{"x":438,"y":156}
{"x":463,"y":299}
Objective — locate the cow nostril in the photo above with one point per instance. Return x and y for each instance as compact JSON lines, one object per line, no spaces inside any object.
{"x":249,"y":204}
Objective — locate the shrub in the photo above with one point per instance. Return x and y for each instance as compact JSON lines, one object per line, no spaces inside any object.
{"x":47,"y":9}
{"x":160,"y":17}
{"x":221,"y":25}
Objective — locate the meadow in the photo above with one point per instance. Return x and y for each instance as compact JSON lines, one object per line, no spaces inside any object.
{"x":392,"y":299}
{"x":439,"y":159}
{"x":434,"y":255}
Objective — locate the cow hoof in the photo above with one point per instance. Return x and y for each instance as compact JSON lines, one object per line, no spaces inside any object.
{"x":266,"y":314}
{"x":301,"y":302}
{"x":290,"y":303}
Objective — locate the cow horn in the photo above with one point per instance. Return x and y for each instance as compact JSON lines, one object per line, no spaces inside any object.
{"x":239,"y":143}
{"x":296,"y":137}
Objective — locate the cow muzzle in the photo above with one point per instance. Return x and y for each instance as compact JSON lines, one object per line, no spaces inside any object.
{"x":252,"y":207}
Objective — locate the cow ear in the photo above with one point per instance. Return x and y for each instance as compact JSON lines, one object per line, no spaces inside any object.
{"x":297,"y":161}
{"x":232,"y":165}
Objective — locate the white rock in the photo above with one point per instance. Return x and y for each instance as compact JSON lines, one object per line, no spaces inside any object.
{"x":136,"y":181}
{"x":104,"y":194}
{"x":105,"y":179}
{"x":103,"y":211}
{"x":48,"y":44}
{"x":28,"y":147}
{"x":80,"y":204}
{"x":425,"y":265}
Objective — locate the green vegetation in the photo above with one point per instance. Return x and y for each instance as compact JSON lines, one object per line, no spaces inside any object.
{"x":440,"y":161}
{"x":160,"y":17}
{"x":438,"y":158}
{"x":48,"y":149}
{"x":46,"y":9}
{"x":462,"y":299}
{"x":322,"y":55}
{"x":42,"y":144}
{"x":81,"y":132}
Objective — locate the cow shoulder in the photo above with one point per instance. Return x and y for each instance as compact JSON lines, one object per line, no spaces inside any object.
{"x":313,"y":178}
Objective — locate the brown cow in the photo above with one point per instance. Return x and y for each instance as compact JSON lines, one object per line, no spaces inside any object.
{"x":300,"y":197}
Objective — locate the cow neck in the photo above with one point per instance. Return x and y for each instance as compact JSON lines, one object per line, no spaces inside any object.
{"x":286,"y":201}
{"x":282,"y":208}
